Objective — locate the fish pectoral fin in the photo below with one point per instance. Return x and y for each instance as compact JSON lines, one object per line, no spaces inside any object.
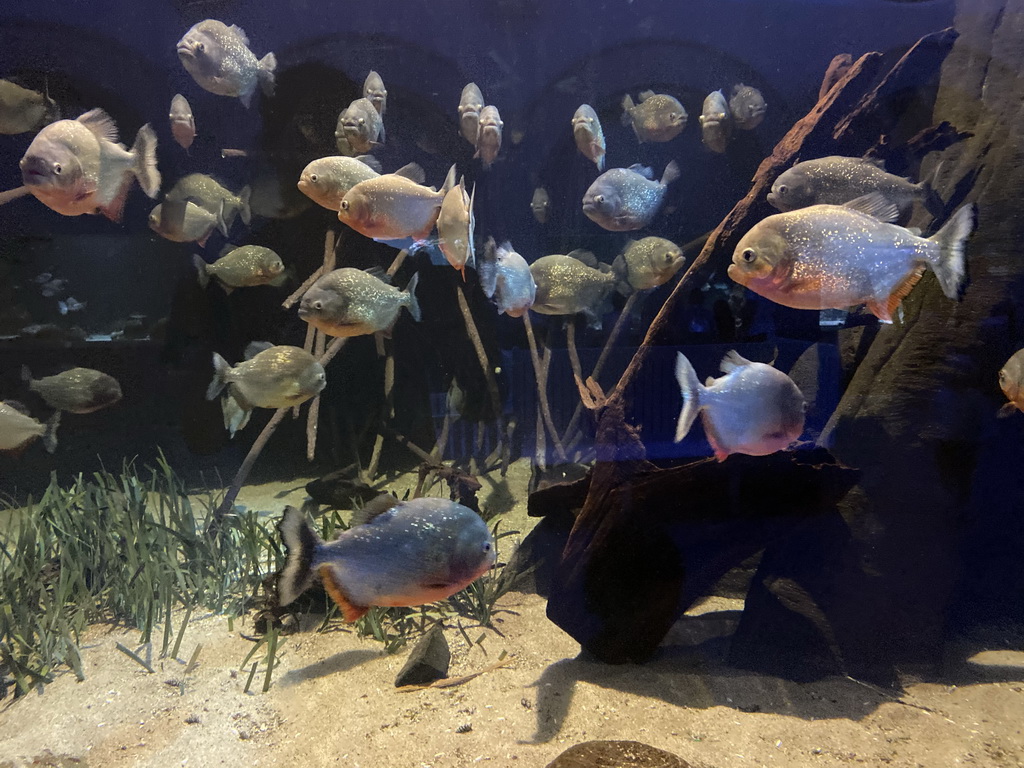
{"x":884,"y":310}
{"x":1008,"y":409}
{"x":350,"y":610}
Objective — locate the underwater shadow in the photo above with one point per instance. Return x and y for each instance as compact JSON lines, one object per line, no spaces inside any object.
{"x":344,"y":661}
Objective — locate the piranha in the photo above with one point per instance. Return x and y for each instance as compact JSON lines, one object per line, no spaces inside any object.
{"x":838,"y":256}
{"x":396,"y":553}
{"x":657,"y":118}
{"x":624,"y":199}
{"x":270,"y":377}
{"x":647,"y":263}
{"x":715,"y":122}
{"x":747,"y":106}
{"x":212,"y":196}
{"x":753,"y":409}
{"x":506,"y":279}
{"x":18,"y":429}
{"x":488,"y":141}
{"x":361,"y":124}
{"x":540,"y":204}
{"x":572,"y":283}
{"x":356,"y":302}
{"x":1011,"y":381}
{"x":183,"y":122}
{"x":374,"y":90}
{"x":588,"y":135}
{"x":79,"y":390}
{"x":327,"y":180}
{"x":455,"y":225}
{"x":836,"y":180}
{"x":183,"y":221}
{"x":23,"y":110}
{"x":392,"y":207}
{"x":219,"y":60}
{"x":78,"y":166}
{"x":470,"y":105}
{"x":243,"y":267}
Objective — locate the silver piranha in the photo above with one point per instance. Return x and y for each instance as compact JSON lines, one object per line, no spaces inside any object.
{"x":183,"y":122}
{"x":836,"y":180}
{"x":23,"y":110}
{"x":838,"y":256}
{"x":78,"y":166}
{"x":185,"y":222}
{"x":212,"y":196}
{"x":540,"y":204}
{"x":80,"y":390}
{"x":658,"y":117}
{"x":396,"y":553}
{"x":326,"y":181}
{"x":243,"y":267}
{"x":506,"y":279}
{"x":219,"y":60}
{"x":18,"y":429}
{"x":374,"y":90}
{"x":623,"y":199}
{"x":753,"y":409}
{"x":455,"y":225}
{"x":392,"y":206}
{"x":715,"y":122}
{"x":273,"y":377}
{"x":470,"y":106}
{"x":588,"y":134}
{"x":647,"y":263}
{"x":488,"y":141}
{"x":354,"y":302}
{"x":1011,"y":381}
{"x":747,"y":106}
{"x":570,"y":284}
{"x":361,"y":125}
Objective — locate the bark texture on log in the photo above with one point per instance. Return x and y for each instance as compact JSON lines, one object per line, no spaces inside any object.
{"x":939,"y":475}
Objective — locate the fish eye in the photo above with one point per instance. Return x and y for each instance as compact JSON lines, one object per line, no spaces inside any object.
{"x":362,"y":121}
{"x":599,"y":199}
{"x":200,"y":47}
{"x":783,"y":189}
{"x":748,"y":255}
{"x":57,"y":169}
{"x":313,"y":177}
{"x":487,"y":547}
{"x":344,"y":205}
{"x":318,"y":305}
{"x":1002,"y":377}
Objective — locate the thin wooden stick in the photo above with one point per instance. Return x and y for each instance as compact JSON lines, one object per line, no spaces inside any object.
{"x":389,"y":404}
{"x":13,"y":194}
{"x":481,"y":353}
{"x":290,"y":301}
{"x":540,"y":373}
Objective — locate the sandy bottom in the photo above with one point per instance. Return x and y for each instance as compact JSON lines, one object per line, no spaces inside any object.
{"x":332,"y":700}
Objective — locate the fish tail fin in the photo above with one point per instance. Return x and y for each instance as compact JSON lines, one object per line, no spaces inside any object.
{"x":627,"y":109}
{"x":600,"y":163}
{"x":671,"y":173}
{"x":487,"y":268}
{"x":621,"y":271}
{"x":245,"y":210}
{"x":221,"y":369}
{"x":201,"y":270}
{"x":222,"y":223}
{"x":691,"y":389}
{"x":145,"y":169}
{"x":449,"y":180}
{"x":950,"y":264}
{"x":26,"y":375}
{"x":50,"y":435}
{"x":301,"y":543}
{"x":414,"y":305}
{"x":265,"y":73}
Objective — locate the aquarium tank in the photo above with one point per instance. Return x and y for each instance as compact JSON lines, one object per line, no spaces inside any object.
{"x":522,"y":383}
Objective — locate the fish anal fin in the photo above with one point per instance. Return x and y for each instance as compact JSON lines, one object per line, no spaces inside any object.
{"x":1007,"y":410}
{"x":721,"y":452}
{"x":351,"y":611}
{"x":114,"y":210}
{"x":884,"y":310}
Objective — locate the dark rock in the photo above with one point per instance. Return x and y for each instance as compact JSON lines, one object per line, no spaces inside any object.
{"x":616,"y":754}
{"x":535,"y":560}
{"x":341,"y":489}
{"x":428,"y":661}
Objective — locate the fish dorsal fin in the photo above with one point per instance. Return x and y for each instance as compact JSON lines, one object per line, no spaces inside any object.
{"x":413,"y":172}
{"x":255,"y":347}
{"x":226,"y":249}
{"x":645,"y":95}
{"x":374,"y":508}
{"x":875,"y":161}
{"x":709,"y":381}
{"x":875,"y":204}
{"x":643,"y":170}
{"x":370,"y":161}
{"x":241,"y":34}
{"x":17,"y":406}
{"x":101,"y":124}
{"x":583,"y":256}
{"x":732,"y":361}
{"x":378,"y":273}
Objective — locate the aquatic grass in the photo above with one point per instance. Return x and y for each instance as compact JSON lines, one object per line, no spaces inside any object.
{"x":128,"y":547}
{"x":478,"y":600}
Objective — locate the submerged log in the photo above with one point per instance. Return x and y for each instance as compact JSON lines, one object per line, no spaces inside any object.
{"x":587,"y":600}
